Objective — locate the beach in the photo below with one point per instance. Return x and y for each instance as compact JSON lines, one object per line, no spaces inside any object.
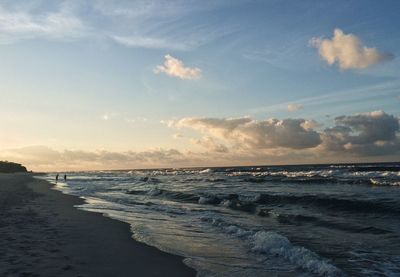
{"x":42,"y":234}
{"x":304,"y":220}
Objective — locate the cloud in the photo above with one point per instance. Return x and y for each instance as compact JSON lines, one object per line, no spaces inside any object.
{"x":144,"y":24}
{"x":371,"y":136}
{"x":45,"y":158}
{"x":253,"y":134}
{"x":148,"y":42}
{"x":21,"y":25}
{"x":210,"y":144}
{"x":175,"y":68}
{"x":364,"y":137}
{"x":348,"y":51}
{"x":310,"y":124}
{"x":368,"y":134}
{"x":373,"y":133}
{"x":294,"y":107}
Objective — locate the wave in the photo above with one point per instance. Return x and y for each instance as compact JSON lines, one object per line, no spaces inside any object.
{"x":375,"y":168}
{"x":257,"y":206}
{"x":271,"y":243}
{"x":298,"y":219}
{"x":381,"y":182}
{"x":171,"y":195}
{"x":252,"y":204}
{"x":331,"y":203}
{"x":331,"y":176}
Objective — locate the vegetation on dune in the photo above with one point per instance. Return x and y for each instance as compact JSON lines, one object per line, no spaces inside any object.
{"x":10,"y":167}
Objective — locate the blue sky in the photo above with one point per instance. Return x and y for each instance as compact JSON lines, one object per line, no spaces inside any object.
{"x":81,"y":77}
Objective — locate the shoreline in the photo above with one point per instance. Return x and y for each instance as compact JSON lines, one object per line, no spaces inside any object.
{"x":45,"y":235}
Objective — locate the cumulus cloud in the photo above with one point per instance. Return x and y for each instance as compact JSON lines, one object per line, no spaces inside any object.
{"x":371,"y":136}
{"x":311,"y":124}
{"x":175,"y":68}
{"x":373,"y":133}
{"x":348,"y":51}
{"x":254,"y":134}
{"x":210,"y":144}
{"x":294,"y":107}
{"x":368,"y":134}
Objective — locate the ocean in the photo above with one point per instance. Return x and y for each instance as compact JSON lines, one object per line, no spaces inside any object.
{"x":303,"y":220}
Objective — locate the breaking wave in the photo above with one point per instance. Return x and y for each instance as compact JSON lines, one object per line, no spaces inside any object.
{"x":272,"y":243}
{"x":252,"y":203}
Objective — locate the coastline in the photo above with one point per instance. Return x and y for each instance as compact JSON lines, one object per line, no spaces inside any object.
{"x":44,"y":235}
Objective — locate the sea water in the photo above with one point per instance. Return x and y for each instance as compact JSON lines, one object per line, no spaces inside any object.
{"x":309,"y":220}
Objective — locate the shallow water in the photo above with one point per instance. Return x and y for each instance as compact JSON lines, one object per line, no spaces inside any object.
{"x":322,"y":220}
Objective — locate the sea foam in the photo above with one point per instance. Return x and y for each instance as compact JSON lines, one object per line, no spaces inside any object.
{"x":272,"y":243}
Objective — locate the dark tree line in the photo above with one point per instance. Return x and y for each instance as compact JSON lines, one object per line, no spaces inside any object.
{"x":10,"y":167}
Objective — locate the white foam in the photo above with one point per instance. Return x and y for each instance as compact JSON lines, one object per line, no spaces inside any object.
{"x":268,"y":242}
{"x":276,"y":244}
{"x":377,"y":182}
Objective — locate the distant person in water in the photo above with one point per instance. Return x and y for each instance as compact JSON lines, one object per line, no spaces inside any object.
{"x":57,"y":178}
{"x":65,"y":177}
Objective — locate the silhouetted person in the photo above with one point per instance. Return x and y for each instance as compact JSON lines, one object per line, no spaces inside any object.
{"x":65,"y":177}
{"x":57,"y":178}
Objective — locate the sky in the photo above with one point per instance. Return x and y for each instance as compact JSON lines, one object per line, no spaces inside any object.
{"x":96,"y":84}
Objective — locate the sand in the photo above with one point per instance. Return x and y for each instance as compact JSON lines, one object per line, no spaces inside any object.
{"x":42,"y":234}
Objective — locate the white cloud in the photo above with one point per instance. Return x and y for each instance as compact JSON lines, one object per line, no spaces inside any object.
{"x":148,"y":42}
{"x":210,"y":144}
{"x":20,"y":25}
{"x":348,"y":51}
{"x":145,"y":24}
{"x":294,"y":107}
{"x":175,"y":68}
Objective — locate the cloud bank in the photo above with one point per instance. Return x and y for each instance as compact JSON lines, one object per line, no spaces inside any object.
{"x":362,"y":135}
{"x":175,"y":68}
{"x":348,"y":51}
{"x":48,"y":159}
{"x":246,"y":133}
{"x":371,"y":136}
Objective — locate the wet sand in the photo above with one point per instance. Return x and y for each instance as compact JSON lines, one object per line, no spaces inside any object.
{"x":42,"y":234}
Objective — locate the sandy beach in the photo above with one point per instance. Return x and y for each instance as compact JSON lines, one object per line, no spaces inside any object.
{"x":42,"y":234}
